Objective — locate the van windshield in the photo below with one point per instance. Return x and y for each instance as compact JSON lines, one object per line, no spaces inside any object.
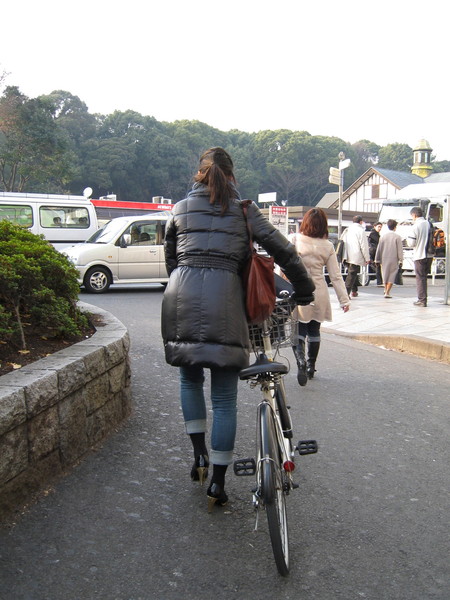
{"x":399,"y":212}
{"x":106,"y":234}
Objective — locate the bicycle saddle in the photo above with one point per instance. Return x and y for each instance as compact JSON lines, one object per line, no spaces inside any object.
{"x":262,"y":365}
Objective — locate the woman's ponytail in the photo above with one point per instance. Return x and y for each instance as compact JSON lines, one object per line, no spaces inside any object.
{"x":216,"y":171}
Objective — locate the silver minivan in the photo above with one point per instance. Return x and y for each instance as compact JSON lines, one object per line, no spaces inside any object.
{"x":125,"y":250}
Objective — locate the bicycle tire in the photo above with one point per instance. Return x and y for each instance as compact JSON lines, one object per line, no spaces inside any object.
{"x":272,"y":491}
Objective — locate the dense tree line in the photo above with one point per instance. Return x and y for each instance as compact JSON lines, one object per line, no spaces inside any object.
{"x":52,"y":144}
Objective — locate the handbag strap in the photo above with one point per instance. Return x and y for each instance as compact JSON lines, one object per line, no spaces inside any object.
{"x":245,"y":204}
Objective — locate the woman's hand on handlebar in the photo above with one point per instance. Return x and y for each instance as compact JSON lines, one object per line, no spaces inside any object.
{"x":302,"y":300}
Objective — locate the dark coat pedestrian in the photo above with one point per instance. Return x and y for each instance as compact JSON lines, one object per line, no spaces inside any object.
{"x":203,"y":319}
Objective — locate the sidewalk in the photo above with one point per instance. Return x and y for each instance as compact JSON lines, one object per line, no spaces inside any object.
{"x":396,"y":323}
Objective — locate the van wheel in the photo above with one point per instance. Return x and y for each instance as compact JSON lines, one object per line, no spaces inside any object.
{"x":97,"y":280}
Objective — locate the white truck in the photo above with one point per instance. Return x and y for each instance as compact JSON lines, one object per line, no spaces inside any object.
{"x":433,"y":199}
{"x":62,"y":220}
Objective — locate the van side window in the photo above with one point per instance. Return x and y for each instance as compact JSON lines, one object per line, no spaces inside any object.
{"x":75,"y":217}
{"x":144,"y":233}
{"x":19,"y":215}
{"x":436,"y":213}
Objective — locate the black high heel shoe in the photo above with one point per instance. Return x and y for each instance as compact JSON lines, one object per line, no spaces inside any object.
{"x":216,"y":495}
{"x":199,"y":471}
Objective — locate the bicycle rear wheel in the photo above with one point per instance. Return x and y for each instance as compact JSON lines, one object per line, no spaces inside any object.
{"x":272,"y":490}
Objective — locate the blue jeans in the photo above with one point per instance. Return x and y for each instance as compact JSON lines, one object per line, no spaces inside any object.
{"x":224,"y":404}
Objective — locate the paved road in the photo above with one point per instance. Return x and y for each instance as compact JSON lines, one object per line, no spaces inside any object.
{"x":370,"y":519}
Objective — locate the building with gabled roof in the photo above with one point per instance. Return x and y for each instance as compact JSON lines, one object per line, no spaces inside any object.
{"x":366,"y":194}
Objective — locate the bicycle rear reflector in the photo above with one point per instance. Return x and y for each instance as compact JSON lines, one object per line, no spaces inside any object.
{"x":289,"y":466}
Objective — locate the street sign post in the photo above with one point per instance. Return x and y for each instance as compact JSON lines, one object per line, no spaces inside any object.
{"x":335,"y":176}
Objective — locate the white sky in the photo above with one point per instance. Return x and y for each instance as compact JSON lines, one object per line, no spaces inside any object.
{"x":353,"y":69}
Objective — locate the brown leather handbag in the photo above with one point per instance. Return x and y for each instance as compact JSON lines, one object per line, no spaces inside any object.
{"x":259,"y":281}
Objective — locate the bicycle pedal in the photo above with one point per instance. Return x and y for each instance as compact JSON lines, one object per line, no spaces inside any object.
{"x":307,"y":447}
{"x":244,"y":466}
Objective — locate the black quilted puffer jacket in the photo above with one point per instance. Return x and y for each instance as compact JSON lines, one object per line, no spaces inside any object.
{"x":203,"y":317}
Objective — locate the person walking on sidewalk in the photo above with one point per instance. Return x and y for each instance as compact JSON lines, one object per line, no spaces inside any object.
{"x":203,"y":318}
{"x":418,"y":239}
{"x":389,"y":255}
{"x":374,"y":240}
{"x":356,"y":253}
{"x":317,"y":252}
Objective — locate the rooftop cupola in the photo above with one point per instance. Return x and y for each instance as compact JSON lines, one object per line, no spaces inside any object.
{"x":422,"y":159}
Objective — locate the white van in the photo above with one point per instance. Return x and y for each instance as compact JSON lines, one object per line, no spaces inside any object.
{"x":62,"y":220}
{"x":125,"y":250}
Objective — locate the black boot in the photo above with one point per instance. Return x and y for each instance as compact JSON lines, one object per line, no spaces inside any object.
{"x":313,"y":351}
{"x":299,"y":353}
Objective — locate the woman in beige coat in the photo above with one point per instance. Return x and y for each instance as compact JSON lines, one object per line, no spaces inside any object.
{"x":390,"y":255}
{"x":316,"y":252}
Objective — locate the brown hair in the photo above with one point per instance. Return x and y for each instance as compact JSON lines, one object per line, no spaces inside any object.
{"x":392,"y":224}
{"x":315,"y":224}
{"x":216,"y":171}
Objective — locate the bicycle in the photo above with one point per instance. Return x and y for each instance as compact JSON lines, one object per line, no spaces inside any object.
{"x":274,"y":464}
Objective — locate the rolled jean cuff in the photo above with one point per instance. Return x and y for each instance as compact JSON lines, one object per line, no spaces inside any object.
{"x":196,"y":426}
{"x":221,"y":457}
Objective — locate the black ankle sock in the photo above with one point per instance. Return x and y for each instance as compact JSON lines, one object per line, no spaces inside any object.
{"x":218,"y":475}
{"x":198,"y":441}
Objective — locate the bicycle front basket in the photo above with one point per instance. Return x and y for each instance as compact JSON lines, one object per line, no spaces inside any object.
{"x":281,"y":325}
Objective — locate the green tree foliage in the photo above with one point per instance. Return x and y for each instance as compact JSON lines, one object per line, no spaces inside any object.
{"x":79,"y":129}
{"x":364,"y":154}
{"x":32,"y":148}
{"x":53,"y":144}
{"x":398,"y":157}
{"x":38,"y":286}
{"x":441,"y":166}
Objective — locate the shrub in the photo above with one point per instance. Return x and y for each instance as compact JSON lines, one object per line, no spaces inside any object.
{"x":38,"y":286}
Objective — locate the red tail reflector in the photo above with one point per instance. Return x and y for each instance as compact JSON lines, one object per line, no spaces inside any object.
{"x":289,"y":466}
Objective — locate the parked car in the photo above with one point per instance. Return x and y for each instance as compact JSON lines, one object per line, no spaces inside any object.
{"x":125,"y":250}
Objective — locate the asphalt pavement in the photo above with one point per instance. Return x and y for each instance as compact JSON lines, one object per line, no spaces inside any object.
{"x":369,"y":520}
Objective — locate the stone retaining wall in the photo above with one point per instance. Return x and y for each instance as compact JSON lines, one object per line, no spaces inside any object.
{"x":54,"y":410}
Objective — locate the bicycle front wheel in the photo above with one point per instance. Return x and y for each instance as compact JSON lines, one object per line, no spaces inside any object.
{"x":272,"y":490}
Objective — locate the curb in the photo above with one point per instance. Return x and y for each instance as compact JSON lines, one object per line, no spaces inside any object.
{"x":54,"y":411}
{"x":411,"y":344}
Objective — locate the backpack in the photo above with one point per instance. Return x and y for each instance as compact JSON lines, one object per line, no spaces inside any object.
{"x":438,"y":238}
{"x":431,"y":250}
{"x":340,"y":249}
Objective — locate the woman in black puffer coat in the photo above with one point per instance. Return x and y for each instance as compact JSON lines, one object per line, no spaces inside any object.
{"x":203,"y":310}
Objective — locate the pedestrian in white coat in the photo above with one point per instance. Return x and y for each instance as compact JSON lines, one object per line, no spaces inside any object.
{"x":418,"y":239}
{"x":356,"y":253}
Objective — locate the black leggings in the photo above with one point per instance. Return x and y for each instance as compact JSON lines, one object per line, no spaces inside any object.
{"x":309,"y":330}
